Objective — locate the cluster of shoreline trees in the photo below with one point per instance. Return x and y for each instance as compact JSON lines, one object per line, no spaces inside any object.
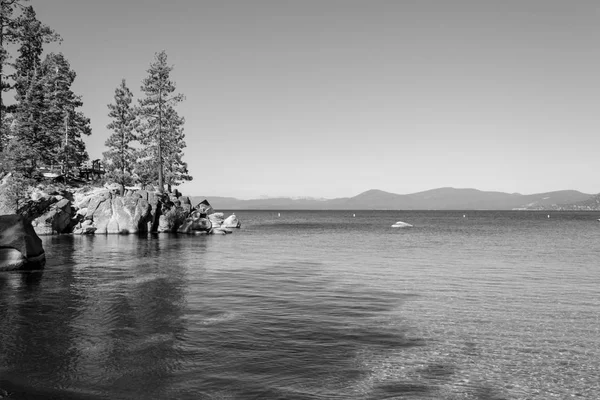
{"x":44,"y":126}
{"x":146,"y":146}
{"x":33,"y":128}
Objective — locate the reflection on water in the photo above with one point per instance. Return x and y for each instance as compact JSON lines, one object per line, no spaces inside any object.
{"x":130,"y":317}
{"x":457,"y":310}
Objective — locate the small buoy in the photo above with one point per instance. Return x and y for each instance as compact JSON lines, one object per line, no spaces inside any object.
{"x":354,"y":215}
{"x":464,"y":216}
{"x":548,"y":215}
{"x":279,"y":214}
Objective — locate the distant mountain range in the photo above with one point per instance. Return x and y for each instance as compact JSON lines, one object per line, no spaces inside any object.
{"x":436,"y":199}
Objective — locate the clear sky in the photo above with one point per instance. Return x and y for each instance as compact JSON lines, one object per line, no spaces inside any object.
{"x":331,"y":98}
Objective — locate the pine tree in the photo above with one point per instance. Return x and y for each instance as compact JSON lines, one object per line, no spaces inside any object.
{"x":7,"y":36}
{"x":175,"y":169}
{"x":64,"y":123}
{"x":32,"y":36}
{"x":161,"y":130}
{"x":16,"y":190}
{"x":145,"y":169}
{"x":120,"y":158}
{"x":23,"y":28}
{"x":32,"y":142}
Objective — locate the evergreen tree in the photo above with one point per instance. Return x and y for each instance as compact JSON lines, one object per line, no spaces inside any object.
{"x":7,"y":36}
{"x":145,"y":169}
{"x":161,"y":130}
{"x":120,"y":158}
{"x":65,"y":124}
{"x":32,"y":36}
{"x":15,"y":191}
{"x":23,"y":28}
{"x":175,"y":169}
{"x":32,"y":143}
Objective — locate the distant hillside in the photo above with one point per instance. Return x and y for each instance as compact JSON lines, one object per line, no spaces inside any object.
{"x":591,"y":204}
{"x":436,"y":199}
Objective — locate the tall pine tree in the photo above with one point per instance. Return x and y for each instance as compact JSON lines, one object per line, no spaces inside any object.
{"x":25,"y":29}
{"x":32,"y":36}
{"x":8,"y":35}
{"x":161,"y":129}
{"x":65,"y":124}
{"x":120,"y":158}
{"x":175,"y":169}
{"x":31,"y":143}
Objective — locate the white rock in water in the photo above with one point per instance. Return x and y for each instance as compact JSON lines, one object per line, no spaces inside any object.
{"x":231,"y":222}
{"x":401,"y":224}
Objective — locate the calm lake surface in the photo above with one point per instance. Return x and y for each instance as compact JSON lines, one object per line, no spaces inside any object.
{"x":314,"y":305}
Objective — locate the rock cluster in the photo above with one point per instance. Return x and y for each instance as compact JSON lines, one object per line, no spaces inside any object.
{"x":105,"y":211}
{"x":20,"y":247}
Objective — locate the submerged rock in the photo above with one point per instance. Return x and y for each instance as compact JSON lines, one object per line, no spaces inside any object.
{"x":222,"y":231}
{"x":20,"y":246}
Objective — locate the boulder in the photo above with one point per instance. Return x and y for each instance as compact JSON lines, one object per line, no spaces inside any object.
{"x":117,"y":214}
{"x":85,"y":228}
{"x":33,"y":209}
{"x":164,"y":224}
{"x":217,"y":218}
{"x":20,"y":246}
{"x":172,"y":218}
{"x":57,"y":219}
{"x":195,"y":223}
{"x":204,"y":207}
{"x":94,"y":202}
{"x":231,"y":222}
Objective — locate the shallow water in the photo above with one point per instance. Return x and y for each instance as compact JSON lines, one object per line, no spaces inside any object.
{"x":314,"y":305}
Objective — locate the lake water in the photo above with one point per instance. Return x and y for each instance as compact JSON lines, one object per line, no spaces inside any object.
{"x":314,"y":305}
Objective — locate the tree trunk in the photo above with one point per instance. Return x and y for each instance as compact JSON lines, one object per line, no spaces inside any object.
{"x":160,"y":160}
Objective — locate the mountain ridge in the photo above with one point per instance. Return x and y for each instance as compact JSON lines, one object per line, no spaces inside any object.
{"x":445,"y":198}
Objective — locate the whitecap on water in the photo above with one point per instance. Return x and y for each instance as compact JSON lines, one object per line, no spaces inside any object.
{"x":223,"y":317}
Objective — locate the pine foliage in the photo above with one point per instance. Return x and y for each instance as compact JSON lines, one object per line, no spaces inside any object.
{"x":120,"y":158}
{"x":161,"y":128}
{"x":64,"y":122}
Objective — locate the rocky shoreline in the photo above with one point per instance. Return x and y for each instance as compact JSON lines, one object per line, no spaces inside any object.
{"x":100,"y":210}
{"x":104,"y":210}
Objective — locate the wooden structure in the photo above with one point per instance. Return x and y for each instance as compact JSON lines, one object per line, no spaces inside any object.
{"x":91,"y":170}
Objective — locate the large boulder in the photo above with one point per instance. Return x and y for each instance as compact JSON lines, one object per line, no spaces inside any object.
{"x":217,"y":218}
{"x":20,"y":246}
{"x":117,"y":214}
{"x":57,"y":219}
{"x":204,"y":207}
{"x":196,"y":223}
{"x":172,"y":217}
{"x":85,"y":228}
{"x":231,"y":222}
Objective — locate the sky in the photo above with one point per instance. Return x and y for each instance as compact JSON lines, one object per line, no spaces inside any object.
{"x":331,"y":98}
